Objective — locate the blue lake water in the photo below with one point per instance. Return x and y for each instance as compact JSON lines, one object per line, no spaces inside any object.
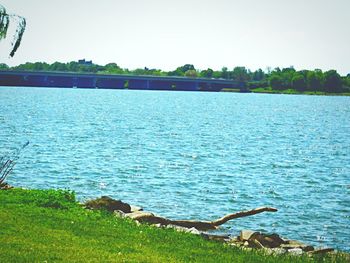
{"x":191,"y":155}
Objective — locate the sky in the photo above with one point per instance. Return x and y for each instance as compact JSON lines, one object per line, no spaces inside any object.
{"x":165,"y":34}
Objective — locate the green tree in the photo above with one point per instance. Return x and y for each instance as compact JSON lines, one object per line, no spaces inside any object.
{"x":287,"y":76}
{"x":73,"y":66}
{"x":113,"y":68}
{"x":139,"y":71}
{"x":332,"y":81}
{"x":225,"y":73}
{"x":347,"y":80}
{"x":3,"y":66}
{"x":240,"y":74}
{"x":276,"y":82}
{"x":58,"y":66}
{"x":5,"y":20}
{"x":258,"y":75}
{"x":346,"y":83}
{"x":217,"y":74}
{"x":187,"y":67}
{"x":298,"y":82}
{"x":314,"y":80}
{"x":180,"y":71}
{"x":208,"y":73}
{"x":191,"y":73}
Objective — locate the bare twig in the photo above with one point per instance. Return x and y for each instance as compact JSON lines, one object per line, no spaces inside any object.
{"x":7,"y":163}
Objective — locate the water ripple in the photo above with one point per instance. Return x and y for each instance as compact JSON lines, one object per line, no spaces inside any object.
{"x":191,"y":155}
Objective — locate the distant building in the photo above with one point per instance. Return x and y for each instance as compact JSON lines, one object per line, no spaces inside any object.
{"x":85,"y":62}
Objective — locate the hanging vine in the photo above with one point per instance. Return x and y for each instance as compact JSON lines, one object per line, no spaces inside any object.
{"x":5,"y":20}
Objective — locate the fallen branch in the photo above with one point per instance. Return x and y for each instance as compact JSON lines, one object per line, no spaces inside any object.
{"x":123,"y":209}
{"x":200,"y":225}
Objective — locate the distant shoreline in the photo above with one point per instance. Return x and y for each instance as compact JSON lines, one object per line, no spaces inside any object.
{"x":289,"y":92}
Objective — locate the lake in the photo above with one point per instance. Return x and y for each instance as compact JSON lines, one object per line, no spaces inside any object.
{"x":191,"y":155}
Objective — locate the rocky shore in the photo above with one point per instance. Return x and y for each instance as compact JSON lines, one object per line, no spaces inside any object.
{"x":248,"y":239}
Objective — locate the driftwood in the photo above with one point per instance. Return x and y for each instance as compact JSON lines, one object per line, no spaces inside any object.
{"x":123,"y":209}
{"x":200,"y":225}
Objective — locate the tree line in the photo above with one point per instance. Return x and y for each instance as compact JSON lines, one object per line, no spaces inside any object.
{"x":278,"y":79}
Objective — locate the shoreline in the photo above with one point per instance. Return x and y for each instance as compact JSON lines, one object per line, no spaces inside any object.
{"x":288,"y":92}
{"x":271,"y":243}
{"x":58,"y":210}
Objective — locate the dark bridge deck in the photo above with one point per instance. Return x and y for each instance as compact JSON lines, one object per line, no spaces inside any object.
{"x":81,"y":80}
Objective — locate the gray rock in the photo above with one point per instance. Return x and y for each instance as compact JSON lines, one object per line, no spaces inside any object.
{"x":247,"y":234}
{"x":308,"y":248}
{"x":221,"y":238}
{"x":264,"y":240}
{"x":139,"y":215}
{"x":322,"y":251}
{"x":119,"y":213}
{"x":134,"y":208}
{"x":254,"y":243}
{"x":290,"y":244}
{"x":295,"y":251}
{"x":108,"y":203}
{"x":178,"y":228}
{"x":194,"y":231}
{"x":277,"y":251}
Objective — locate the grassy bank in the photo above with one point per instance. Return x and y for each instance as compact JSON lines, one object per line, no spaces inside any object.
{"x":293,"y":91}
{"x":49,"y":225}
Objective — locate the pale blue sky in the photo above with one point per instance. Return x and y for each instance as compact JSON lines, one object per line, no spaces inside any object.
{"x":164,"y":34}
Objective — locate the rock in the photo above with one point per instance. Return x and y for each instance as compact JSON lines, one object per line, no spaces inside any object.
{"x":108,"y":203}
{"x":295,"y":251}
{"x":194,"y":231}
{"x":246,"y":234}
{"x":254,"y":243}
{"x":308,"y":248}
{"x":139,"y":215}
{"x":5,"y":186}
{"x":221,"y":238}
{"x":119,"y":213}
{"x":270,"y":241}
{"x":259,"y":240}
{"x":178,"y":228}
{"x":235,"y":241}
{"x":290,"y":244}
{"x":294,"y":243}
{"x":277,"y":251}
{"x":236,"y":244}
{"x":245,"y":243}
{"x":134,"y":208}
{"x":322,"y":251}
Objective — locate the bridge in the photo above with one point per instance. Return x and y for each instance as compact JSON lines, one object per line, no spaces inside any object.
{"x":102,"y":81}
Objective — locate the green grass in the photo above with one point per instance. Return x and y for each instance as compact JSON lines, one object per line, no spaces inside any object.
{"x":293,"y":91}
{"x":49,"y":225}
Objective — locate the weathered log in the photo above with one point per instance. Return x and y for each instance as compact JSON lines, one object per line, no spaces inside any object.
{"x":226,"y":218}
{"x":200,"y":225}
